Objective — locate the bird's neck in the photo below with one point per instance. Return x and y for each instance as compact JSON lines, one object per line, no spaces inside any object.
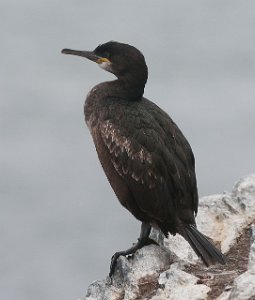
{"x":128,"y":89}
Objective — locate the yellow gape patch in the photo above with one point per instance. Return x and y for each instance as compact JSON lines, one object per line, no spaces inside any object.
{"x":102,"y":60}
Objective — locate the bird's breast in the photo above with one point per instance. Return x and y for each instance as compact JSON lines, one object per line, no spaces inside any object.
{"x":92,"y":108}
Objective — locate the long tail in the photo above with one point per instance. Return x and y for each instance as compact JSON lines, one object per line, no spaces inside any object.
{"x":203,"y":248}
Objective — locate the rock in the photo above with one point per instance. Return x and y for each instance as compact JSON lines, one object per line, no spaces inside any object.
{"x":244,"y":285}
{"x":134,"y":276}
{"x":159,"y":273}
{"x":251,"y":264}
{"x":176,"y":284}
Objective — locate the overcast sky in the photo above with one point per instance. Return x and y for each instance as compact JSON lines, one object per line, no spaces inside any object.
{"x":59,"y":220}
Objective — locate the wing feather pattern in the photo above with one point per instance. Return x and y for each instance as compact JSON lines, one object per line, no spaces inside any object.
{"x":153,"y":158}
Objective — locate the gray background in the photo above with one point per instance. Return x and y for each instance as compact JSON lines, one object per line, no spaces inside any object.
{"x":59,"y":220}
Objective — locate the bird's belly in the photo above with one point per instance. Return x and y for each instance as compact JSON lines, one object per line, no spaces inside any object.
{"x":117,"y":183}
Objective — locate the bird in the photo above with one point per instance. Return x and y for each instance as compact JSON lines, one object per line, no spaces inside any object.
{"x":146,"y":158}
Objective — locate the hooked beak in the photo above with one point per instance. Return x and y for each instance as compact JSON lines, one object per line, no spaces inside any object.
{"x":88,"y":54}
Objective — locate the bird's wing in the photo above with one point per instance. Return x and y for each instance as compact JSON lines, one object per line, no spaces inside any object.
{"x":183,"y":152}
{"x":148,"y":160}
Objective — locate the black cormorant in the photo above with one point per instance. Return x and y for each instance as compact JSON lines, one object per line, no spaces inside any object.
{"x":146,"y":158}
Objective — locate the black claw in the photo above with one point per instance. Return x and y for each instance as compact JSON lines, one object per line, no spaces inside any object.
{"x":114,"y":262}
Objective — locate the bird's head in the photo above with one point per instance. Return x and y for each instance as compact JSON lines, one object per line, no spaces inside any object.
{"x":126,"y":62}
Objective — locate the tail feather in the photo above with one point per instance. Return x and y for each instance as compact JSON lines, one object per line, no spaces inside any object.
{"x":204,"y":249}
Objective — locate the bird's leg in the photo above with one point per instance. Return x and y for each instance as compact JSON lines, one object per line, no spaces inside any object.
{"x":143,"y":240}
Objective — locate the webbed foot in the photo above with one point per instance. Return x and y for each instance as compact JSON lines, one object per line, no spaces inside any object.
{"x":144,"y":240}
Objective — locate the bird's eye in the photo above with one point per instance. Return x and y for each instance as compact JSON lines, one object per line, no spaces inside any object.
{"x":106,"y":54}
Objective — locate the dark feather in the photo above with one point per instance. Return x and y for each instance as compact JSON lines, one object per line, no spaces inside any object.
{"x":202,"y":246}
{"x":147,"y":159}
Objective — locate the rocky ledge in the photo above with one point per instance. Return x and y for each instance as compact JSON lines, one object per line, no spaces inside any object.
{"x":173,"y":271}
